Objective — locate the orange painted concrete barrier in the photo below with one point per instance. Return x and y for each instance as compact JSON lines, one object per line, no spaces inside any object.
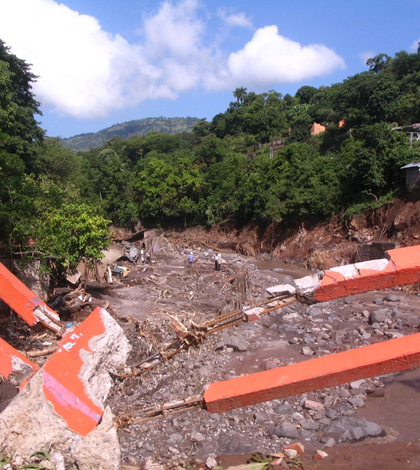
{"x":402,"y":268}
{"x":62,"y":376}
{"x":376,"y":359}
{"x":24,"y":302}
{"x":13,"y":363}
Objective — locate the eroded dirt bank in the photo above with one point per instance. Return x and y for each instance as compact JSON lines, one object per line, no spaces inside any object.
{"x":324,"y":245}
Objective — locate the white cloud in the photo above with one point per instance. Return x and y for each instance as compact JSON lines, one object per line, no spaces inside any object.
{"x":87,"y":72}
{"x":238,"y":19}
{"x":174,"y":30}
{"x":270,"y":59}
{"x":75,"y":59}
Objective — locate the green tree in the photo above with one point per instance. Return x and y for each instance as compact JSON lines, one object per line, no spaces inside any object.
{"x":19,"y":130}
{"x":240,"y":94}
{"x":378,"y":63}
{"x":74,"y":233}
{"x":306,"y":93}
{"x":303,"y":185}
{"x":19,"y":139}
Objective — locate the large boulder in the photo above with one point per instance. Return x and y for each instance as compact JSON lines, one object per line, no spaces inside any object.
{"x":61,"y":409}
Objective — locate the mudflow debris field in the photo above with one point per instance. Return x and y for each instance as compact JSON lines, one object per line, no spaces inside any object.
{"x":157,"y":396}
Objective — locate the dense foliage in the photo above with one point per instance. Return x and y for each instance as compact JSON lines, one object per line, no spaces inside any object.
{"x":256,"y":162}
{"x":40,"y":207}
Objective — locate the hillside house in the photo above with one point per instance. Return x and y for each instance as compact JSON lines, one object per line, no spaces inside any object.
{"x":317,"y":128}
{"x":412,"y":174}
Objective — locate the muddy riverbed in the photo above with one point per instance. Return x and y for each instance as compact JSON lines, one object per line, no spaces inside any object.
{"x":371,"y":423}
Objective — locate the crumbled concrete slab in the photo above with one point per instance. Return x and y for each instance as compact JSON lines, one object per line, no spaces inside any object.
{"x":254,"y":314}
{"x":308,"y":284}
{"x":14,"y":366}
{"x":281,"y":289}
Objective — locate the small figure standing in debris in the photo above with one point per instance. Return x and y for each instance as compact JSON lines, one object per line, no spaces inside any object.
{"x":217,"y":262}
{"x":148,"y":257}
{"x":142,"y":255}
{"x":191,"y":258}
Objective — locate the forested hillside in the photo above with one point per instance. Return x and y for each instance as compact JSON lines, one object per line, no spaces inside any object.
{"x":128,"y":129}
{"x":222,"y":171}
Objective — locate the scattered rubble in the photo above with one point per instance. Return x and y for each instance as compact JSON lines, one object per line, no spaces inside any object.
{"x":169,"y":288}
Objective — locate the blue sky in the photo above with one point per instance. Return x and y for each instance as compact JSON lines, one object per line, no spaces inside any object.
{"x":101,"y":62}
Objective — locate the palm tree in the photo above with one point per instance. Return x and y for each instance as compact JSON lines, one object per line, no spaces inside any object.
{"x":240,"y":94}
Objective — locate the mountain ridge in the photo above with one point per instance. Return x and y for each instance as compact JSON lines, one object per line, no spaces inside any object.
{"x":125,"y":130}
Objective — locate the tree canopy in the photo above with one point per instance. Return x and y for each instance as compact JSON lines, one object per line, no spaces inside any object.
{"x":255,"y":162}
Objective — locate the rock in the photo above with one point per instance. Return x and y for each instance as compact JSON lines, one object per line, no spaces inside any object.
{"x":269,"y":364}
{"x":357,"y":402}
{"x":297,"y":446}
{"x":314,"y":311}
{"x":30,"y":411}
{"x":324,"y":421}
{"x":331,"y":413}
{"x":310,"y":425}
{"x":297,"y":416}
{"x":320,"y":455}
{"x":313,"y":405}
{"x":378,"y":301}
{"x":174,"y":438}
{"x":346,"y":409}
{"x":412,"y":321}
{"x":366,"y":314}
{"x":357,"y":433}
{"x":344,"y":393}
{"x":57,"y":460}
{"x":357,"y":384}
{"x":340,"y":425}
{"x":329,"y":442}
{"x":211,"y":461}
{"x":345,"y":437}
{"x":392,"y":298}
{"x":204,"y":371}
{"x":259,"y":417}
{"x":292,"y":317}
{"x":283,"y":410}
{"x":378,"y":393}
{"x":285,"y":430}
{"x":372,"y":429}
{"x":291,"y":453}
{"x":378,"y":316}
{"x":307,"y":351}
{"x":281,"y":289}
{"x":236,"y":343}
{"x":394,"y":334}
{"x":330,"y":401}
